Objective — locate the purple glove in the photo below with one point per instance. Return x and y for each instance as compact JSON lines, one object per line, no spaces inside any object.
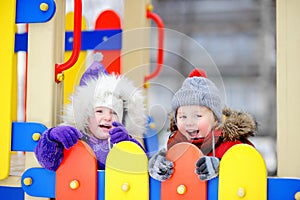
{"x":119,"y":133}
{"x":66,"y":135}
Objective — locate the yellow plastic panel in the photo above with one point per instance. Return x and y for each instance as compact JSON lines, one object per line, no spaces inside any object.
{"x":126,"y":173}
{"x":243,"y":174}
{"x":73,"y":75}
{"x":7,"y":70}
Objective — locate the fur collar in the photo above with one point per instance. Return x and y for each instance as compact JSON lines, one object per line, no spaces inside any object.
{"x":237,"y":125}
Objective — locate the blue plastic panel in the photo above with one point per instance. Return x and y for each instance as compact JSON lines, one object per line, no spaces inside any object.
{"x":90,"y":40}
{"x":29,"y":11}
{"x":283,"y":188}
{"x":278,"y":188}
{"x":155,"y":186}
{"x":101,"y":185}
{"x":21,"y":42}
{"x":212,"y":188}
{"x":43,"y":182}
{"x":11,"y":193}
{"x":22,"y":135}
{"x":151,"y":139}
{"x":96,"y":40}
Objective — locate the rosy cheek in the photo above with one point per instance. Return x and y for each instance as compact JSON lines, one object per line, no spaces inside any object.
{"x":204,"y":128}
{"x":92,"y":124}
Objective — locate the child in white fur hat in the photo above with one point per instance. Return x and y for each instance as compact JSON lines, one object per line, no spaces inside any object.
{"x":102,"y":112}
{"x":198,"y":119}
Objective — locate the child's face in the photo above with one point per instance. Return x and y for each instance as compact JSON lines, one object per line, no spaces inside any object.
{"x":101,"y":123}
{"x":195,"y":121}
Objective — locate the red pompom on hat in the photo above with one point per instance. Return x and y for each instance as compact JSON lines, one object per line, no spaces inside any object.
{"x":198,"y":72}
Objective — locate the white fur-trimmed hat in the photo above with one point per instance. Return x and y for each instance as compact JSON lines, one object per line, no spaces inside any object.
{"x":113,"y":91}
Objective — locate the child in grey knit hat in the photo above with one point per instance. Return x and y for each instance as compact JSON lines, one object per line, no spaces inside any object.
{"x":197,"y":119}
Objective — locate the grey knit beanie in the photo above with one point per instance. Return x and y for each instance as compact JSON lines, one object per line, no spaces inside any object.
{"x":199,"y":91}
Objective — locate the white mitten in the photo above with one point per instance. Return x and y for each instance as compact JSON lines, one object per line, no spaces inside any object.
{"x":207,"y":167}
{"x":160,"y":168}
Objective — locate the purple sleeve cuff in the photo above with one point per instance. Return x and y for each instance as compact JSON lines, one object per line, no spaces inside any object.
{"x":49,"y":153}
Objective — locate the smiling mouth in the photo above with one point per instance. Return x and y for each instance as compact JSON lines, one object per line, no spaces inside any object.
{"x":193,"y":133}
{"x":105,"y":126}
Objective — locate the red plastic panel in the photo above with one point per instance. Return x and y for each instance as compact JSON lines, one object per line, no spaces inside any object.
{"x":76,"y":178}
{"x":110,"y":20}
{"x":184,"y":183}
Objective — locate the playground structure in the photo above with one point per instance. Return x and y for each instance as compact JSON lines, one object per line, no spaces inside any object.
{"x":46,"y":31}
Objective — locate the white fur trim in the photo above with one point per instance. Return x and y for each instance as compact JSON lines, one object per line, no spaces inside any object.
{"x":87,"y":96}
